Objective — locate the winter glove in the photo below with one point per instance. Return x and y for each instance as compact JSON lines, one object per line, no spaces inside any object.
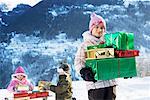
{"x":87,"y":74}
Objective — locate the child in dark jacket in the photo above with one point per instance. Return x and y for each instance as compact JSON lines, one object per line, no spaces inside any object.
{"x":63,"y":89}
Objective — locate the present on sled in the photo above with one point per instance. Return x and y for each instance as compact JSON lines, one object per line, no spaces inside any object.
{"x":100,"y":53}
{"x":21,"y":96}
{"x":34,"y":95}
{"x":111,"y":68}
{"x":22,"y":88}
{"x":120,"y":40}
{"x":42,"y":94}
{"x":126,"y":53}
{"x":31,"y":95}
{"x":42,"y":84}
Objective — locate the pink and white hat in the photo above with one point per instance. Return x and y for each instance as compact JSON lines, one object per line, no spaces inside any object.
{"x":96,"y":20}
{"x":19,"y":71}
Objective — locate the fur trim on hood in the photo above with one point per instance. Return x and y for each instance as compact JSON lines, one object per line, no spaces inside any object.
{"x":88,"y":37}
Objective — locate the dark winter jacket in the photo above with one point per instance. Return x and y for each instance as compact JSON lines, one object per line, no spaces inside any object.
{"x":63,"y":89}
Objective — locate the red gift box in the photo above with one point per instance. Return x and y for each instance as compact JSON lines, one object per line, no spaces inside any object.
{"x":38,"y":94}
{"x":19,"y":95}
{"x":126,"y":53}
{"x":42,"y":94}
{"x":32,"y":95}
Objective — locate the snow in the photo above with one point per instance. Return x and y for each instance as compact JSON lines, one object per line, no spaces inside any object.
{"x":147,"y":37}
{"x":53,"y":13}
{"x":133,"y":89}
{"x":144,"y":52}
{"x":127,"y":2}
{"x":88,"y":6}
{"x":59,"y":10}
{"x":137,"y":88}
{"x":24,"y":44}
{"x":79,"y":90}
{"x":128,"y":89}
{"x":3,"y":23}
{"x":139,"y":14}
{"x":13,"y":3}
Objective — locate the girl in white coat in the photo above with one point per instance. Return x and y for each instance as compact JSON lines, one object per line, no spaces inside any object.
{"x":97,"y":90}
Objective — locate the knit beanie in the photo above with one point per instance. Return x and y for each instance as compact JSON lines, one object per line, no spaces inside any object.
{"x":96,"y":20}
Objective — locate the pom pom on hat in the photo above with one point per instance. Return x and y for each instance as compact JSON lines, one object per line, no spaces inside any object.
{"x":95,"y":20}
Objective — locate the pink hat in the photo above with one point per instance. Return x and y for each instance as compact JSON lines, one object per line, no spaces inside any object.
{"x":95,"y":20}
{"x":19,"y":71}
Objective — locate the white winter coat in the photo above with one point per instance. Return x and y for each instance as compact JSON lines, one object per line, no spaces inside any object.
{"x":80,"y":60}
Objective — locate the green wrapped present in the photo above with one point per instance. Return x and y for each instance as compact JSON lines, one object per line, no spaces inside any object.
{"x":120,"y":40}
{"x":96,"y":46}
{"x":130,"y":41}
{"x":106,"y":69}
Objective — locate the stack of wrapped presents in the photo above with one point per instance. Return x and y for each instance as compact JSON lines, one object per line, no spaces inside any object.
{"x":115,"y":58}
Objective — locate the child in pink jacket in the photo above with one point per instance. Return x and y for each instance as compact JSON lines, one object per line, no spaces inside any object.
{"x":19,"y":78}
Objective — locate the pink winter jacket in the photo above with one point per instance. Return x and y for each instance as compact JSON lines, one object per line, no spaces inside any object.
{"x":15,"y":82}
{"x":80,"y":60}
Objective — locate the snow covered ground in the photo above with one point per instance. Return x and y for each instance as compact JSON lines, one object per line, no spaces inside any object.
{"x":127,"y":89}
{"x":133,"y":89}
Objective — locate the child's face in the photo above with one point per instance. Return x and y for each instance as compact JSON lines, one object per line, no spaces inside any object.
{"x":98,"y":30}
{"x":20,"y":77}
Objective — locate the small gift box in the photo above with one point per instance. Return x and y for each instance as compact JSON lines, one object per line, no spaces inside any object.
{"x":100,"y":53}
{"x":126,"y":53}
{"x":23,"y":88}
{"x":21,"y":96}
{"x":120,"y":40}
